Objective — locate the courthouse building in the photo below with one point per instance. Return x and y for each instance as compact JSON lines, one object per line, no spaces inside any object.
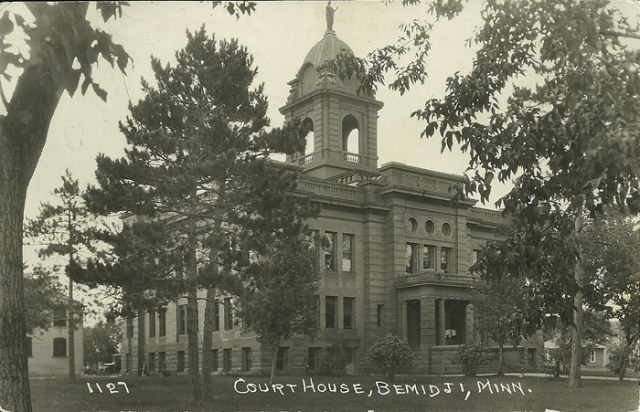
{"x":399,"y":253}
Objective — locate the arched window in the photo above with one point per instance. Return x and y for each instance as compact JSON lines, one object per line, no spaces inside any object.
{"x":59,"y":347}
{"x":351,"y":135}
{"x":310,"y":145}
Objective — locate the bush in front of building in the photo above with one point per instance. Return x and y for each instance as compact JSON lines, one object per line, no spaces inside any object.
{"x":389,"y":353}
{"x":336,"y":357}
{"x":472,"y":355}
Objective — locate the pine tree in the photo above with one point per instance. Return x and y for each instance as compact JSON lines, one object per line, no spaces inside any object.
{"x":198,"y":163}
{"x":65,"y":231}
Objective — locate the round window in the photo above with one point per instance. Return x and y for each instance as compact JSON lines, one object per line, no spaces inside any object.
{"x":429,"y":226}
{"x":413,"y":224}
{"x":446,"y":229}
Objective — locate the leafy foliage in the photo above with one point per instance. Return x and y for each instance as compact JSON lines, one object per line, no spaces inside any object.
{"x":101,"y":342}
{"x":279,"y":299}
{"x":42,"y":292}
{"x":336,"y":356}
{"x":389,"y":353}
{"x":472,"y":355}
{"x":500,"y":309}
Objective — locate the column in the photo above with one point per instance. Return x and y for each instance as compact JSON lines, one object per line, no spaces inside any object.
{"x":441,"y":330}
{"x":405,"y":333}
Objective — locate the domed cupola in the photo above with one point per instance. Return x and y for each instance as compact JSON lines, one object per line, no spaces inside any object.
{"x":343,"y":122}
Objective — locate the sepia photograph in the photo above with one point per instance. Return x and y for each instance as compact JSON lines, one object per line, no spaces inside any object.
{"x":364,"y":205}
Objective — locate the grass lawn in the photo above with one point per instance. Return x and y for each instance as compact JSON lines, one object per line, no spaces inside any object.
{"x":410,"y":394}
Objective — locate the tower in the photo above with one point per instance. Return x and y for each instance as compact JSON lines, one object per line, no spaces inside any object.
{"x":343,"y":122}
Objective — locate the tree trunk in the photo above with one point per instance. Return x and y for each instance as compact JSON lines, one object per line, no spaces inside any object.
{"x":501,"y":358}
{"x":23,"y":133}
{"x":192,"y":312}
{"x":71,"y":335}
{"x":14,"y":376}
{"x":274,"y":359}
{"x":576,"y":341}
{"x":207,"y":341}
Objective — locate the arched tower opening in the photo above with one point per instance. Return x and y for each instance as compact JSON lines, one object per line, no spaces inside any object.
{"x":310,"y":137}
{"x":351,"y":138}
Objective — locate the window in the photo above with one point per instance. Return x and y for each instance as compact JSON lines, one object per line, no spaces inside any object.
{"x":592,"y":356}
{"x":475,"y":257}
{"x":428,"y":257}
{"x":282,"y":362}
{"x":246,"y":359}
{"x":59,"y":316}
{"x":180,"y":361}
{"x":152,"y":323}
{"x":413,"y":224}
{"x":29,"y":347}
{"x":446,"y":263}
{"x":216,"y":315}
{"x":228,"y":314}
{"x":162,"y":320}
{"x":330,"y":251}
{"x":446,"y":229}
{"x":330,"y":311}
{"x":310,"y":137}
{"x":413,"y":322}
{"x":313,"y":361}
{"x":348,"y":313}
{"x":182,"y":319}
{"x":347,"y":253}
{"x":152,"y":361}
{"x":226,"y":360}
{"x":411,"y":257}
{"x":59,"y":347}
{"x":162,"y":361}
{"x":429,"y":226}
{"x":379,"y":315}
{"x":214,"y":356}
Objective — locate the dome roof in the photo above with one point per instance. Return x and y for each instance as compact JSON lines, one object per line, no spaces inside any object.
{"x":326,"y":49}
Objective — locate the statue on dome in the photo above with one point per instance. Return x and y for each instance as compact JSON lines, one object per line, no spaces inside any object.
{"x":330,"y":11}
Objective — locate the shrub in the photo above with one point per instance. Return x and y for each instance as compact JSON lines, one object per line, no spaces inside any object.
{"x":472,"y":355}
{"x":336,"y":357}
{"x":389,"y":353}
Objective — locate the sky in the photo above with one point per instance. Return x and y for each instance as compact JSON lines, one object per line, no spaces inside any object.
{"x":279,"y":35}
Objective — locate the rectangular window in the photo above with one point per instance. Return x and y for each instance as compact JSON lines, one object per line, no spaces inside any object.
{"x":313,"y":361}
{"x":379,"y":315}
{"x":152,"y":361}
{"x":162,"y":361}
{"x":330,"y":251}
{"x":411,"y":257}
{"x":226,"y":360}
{"x":180,"y":361}
{"x":246,"y":359}
{"x":216,"y":316}
{"x":349,"y":313}
{"x":152,"y":323}
{"x":162,"y":320}
{"x":592,"y":356}
{"x":59,"y":316}
{"x":330,"y":312}
{"x":446,"y":263}
{"x":228,"y":314}
{"x":214,"y":356}
{"x":59,"y":347}
{"x":282,"y":362}
{"x":428,"y":257}
{"x":29,"y":347}
{"x":347,"y":253}
{"x":182,"y":319}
